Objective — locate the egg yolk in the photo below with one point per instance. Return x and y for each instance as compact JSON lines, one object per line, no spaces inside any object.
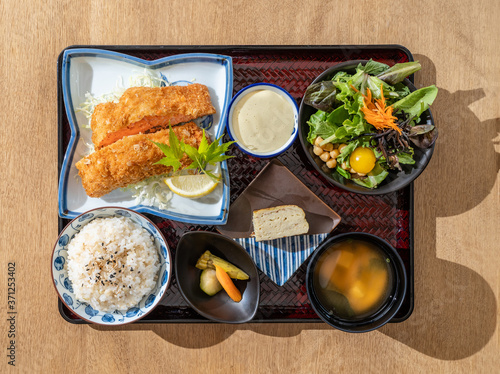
{"x":362,"y":160}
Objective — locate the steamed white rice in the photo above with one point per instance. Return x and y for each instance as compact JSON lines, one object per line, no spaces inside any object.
{"x":112,"y":263}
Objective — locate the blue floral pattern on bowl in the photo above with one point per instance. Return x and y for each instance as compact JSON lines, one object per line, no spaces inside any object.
{"x":91,"y":312}
{"x":59,"y":262}
{"x":84,"y":310}
{"x":63,"y":240}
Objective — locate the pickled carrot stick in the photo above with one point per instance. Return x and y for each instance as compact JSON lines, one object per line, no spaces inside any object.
{"x":227,"y":284}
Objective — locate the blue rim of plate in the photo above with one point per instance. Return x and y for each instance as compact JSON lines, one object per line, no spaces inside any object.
{"x":223,"y":60}
{"x":290,"y":141}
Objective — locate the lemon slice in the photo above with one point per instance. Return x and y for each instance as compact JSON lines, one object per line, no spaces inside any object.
{"x":191,"y":186}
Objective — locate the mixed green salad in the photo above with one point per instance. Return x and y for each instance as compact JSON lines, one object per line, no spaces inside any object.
{"x":368,"y":123}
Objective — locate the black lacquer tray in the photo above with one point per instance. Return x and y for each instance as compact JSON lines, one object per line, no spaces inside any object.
{"x":293,"y":68}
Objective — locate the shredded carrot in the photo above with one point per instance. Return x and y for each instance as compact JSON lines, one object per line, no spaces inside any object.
{"x":377,"y":113}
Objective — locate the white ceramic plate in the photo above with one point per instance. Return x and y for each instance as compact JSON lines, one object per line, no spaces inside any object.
{"x":99,"y":72}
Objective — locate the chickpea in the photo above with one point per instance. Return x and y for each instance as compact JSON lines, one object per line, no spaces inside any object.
{"x":328,"y":147}
{"x":318,"y":141}
{"x":325,"y":156}
{"x":341,"y":147}
{"x":331,"y":163}
{"x":352,"y":171}
{"x":361,"y":174}
{"x":317,"y":150}
{"x":344,"y":165}
{"x":335,"y":153}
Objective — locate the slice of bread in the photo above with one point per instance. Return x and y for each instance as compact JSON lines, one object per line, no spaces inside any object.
{"x":279,"y":222}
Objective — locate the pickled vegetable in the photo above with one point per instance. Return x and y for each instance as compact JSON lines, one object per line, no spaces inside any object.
{"x":209,"y":282}
{"x":208,"y":261}
{"x":227,"y":284}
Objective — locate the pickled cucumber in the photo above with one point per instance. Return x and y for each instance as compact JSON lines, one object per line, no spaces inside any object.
{"x":209,"y":282}
{"x":207,"y":261}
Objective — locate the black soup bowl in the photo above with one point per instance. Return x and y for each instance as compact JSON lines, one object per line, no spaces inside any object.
{"x":344,"y":277}
{"x":219,"y":307}
{"x":395,"y":180}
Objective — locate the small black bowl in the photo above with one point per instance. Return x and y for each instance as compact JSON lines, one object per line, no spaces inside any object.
{"x":391,"y":305}
{"x":219,"y":307}
{"x":395,"y":180}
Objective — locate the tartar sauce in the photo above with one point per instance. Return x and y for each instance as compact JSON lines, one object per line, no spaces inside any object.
{"x":263,"y":121}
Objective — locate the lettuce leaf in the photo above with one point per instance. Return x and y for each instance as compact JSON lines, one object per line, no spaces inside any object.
{"x":417,"y":102}
{"x":321,"y":95}
{"x":373,"y":178}
{"x":343,"y":172}
{"x":338,"y":116}
{"x":319,"y":126}
{"x":345,"y":92}
{"x":405,"y":158}
{"x":373,"y":67}
{"x":342,"y":76}
{"x":400,"y":91}
{"x":346,"y":152}
{"x":374,"y":84}
{"x":423,"y":136}
{"x":399,"y":72}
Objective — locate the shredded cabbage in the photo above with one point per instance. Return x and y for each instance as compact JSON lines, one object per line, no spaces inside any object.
{"x":88,"y":106}
{"x":152,"y":191}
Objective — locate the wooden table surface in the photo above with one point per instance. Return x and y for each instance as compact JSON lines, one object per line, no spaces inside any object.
{"x":454,"y":326}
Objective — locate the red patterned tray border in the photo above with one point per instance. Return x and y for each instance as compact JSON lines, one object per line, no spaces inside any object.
{"x":293,"y":68}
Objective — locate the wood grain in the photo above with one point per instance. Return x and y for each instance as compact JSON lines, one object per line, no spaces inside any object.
{"x":454,"y":327}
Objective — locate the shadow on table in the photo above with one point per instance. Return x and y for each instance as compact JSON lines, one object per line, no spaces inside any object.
{"x":455,"y":308}
{"x":455,"y":311}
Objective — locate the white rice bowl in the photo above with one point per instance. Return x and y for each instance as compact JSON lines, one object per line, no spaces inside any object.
{"x":112,"y":263}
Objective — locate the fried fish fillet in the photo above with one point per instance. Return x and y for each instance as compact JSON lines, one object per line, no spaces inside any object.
{"x":131,"y":159}
{"x":155,"y":106}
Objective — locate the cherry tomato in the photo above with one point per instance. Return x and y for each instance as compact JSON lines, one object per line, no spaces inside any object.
{"x":362,"y":160}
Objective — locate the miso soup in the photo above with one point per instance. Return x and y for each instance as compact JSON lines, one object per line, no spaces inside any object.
{"x":352,"y":279}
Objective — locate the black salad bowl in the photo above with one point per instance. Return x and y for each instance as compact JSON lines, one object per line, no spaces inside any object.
{"x":395,"y":180}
